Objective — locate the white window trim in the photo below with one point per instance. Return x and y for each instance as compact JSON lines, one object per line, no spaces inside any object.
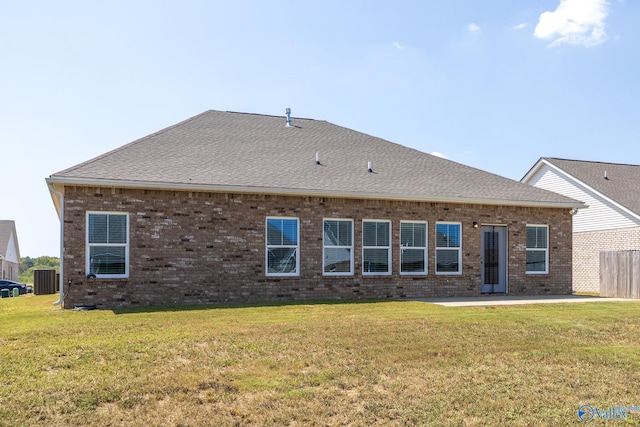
{"x":546,"y":250}
{"x":388,"y":248}
{"x":459,"y":248}
{"x":425,"y":248}
{"x":88,"y":246}
{"x":267,"y":247}
{"x":352,"y":248}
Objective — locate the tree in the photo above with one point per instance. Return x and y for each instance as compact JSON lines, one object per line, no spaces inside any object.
{"x":27,"y":265}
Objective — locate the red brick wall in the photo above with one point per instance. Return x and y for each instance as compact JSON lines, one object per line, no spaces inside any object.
{"x":199,"y":247}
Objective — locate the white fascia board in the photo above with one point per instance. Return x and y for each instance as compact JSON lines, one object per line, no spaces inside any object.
{"x":55,"y":198}
{"x":579,"y":182}
{"x":534,"y":169}
{"x":302,"y":192}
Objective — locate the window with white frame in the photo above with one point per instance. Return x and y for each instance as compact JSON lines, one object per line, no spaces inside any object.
{"x":376,"y":247}
{"x":537,"y":249}
{"x":337,"y":247}
{"x":107,"y":244}
{"x":413,"y":247}
{"x":448,"y":248}
{"x":283,"y":247}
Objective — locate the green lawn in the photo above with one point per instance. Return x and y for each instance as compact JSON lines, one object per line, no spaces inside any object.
{"x":376,"y":363}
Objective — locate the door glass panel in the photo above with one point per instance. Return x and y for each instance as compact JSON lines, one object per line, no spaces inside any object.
{"x":491,"y":257}
{"x":494,"y":259}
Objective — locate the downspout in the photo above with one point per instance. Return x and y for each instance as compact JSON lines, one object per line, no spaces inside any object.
{"x":61,"y":298}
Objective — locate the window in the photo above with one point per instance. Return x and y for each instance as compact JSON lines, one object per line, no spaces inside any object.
{"x":413,"y":247}
{"x":108,"y":244}
{"x":338,"y":247}
{"x":448,"y":248}
{"x":283,"y":247}
{"x":376,"y":247}
{"x":537,"y":249}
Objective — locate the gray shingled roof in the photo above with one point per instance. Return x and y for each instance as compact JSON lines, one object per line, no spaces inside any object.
{"x":7,"y":227}
{"x":258,"y":153}
{"x":621,"y":185}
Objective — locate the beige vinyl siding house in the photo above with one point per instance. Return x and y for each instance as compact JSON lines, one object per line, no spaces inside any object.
{"x":9,"y":251}
{"x":610,"y":222}
{"x":235,"y":207}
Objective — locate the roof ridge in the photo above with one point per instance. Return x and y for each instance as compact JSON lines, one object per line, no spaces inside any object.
{"x":591,"y":161}
{"x":264,"y":115}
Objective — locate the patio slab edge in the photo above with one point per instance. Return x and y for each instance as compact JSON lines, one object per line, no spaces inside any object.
{"x":520,"y":300}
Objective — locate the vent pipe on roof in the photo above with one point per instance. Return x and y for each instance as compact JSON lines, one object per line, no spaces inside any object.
{"x":288,"y":113}
{"x":369,"y":168}
{"x":317,"y":158}
{"x":605,"y":175}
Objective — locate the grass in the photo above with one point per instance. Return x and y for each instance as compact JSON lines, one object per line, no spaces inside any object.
{"x":375,"y":363}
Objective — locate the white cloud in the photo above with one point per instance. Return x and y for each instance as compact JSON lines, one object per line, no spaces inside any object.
{"x":473,"y":28}
{"x":438,"y":154}
{"x":577,"y":22}
{"x":520,"y":26}
{"x":398,"y":46}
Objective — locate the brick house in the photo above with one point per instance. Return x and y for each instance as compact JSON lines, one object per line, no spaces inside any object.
{"x":612,"y":220}
{"x":236,"y":207}
{"x":9,"y":251}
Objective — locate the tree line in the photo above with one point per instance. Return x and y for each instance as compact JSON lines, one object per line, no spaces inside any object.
{"x":28,"y":264}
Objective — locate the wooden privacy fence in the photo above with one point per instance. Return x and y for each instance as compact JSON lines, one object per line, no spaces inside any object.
{"x":45,"y":282}
{"x":620,"y":274}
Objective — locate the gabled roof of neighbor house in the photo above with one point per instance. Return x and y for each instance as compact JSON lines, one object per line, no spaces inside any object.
{"x":241,"y":152}
{"x":615,"y":181}
{"x":8,"y":229}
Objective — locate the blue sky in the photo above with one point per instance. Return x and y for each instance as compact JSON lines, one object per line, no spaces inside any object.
{"x":494,"y":84}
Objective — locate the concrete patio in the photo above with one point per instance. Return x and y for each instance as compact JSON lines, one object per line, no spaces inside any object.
{"x":519,"y":300}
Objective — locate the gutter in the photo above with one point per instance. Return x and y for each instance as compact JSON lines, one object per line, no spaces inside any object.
{"x":61,"y":216}
{"x":305,"y":192}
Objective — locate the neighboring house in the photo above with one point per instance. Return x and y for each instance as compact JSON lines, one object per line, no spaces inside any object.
{"x":612,"y":220}
{"x":236,"y":207}
{"x":9,"y":251}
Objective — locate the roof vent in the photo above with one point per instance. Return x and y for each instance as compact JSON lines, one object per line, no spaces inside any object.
{"x":288,"y":113}
{"x":369,"y":167}
{"x":605,"y":175}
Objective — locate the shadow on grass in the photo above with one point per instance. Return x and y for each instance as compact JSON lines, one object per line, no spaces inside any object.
{"x":223,"y":306}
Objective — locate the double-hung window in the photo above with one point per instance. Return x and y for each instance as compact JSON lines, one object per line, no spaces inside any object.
{"x":376,"y":247}
{"x":413,"y":247}
{"x":337,"y":247}
{"x":107,"y":244}
{"x":283,"y":247}
{"x":537,"y":249}
{"x":448,"y":248}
